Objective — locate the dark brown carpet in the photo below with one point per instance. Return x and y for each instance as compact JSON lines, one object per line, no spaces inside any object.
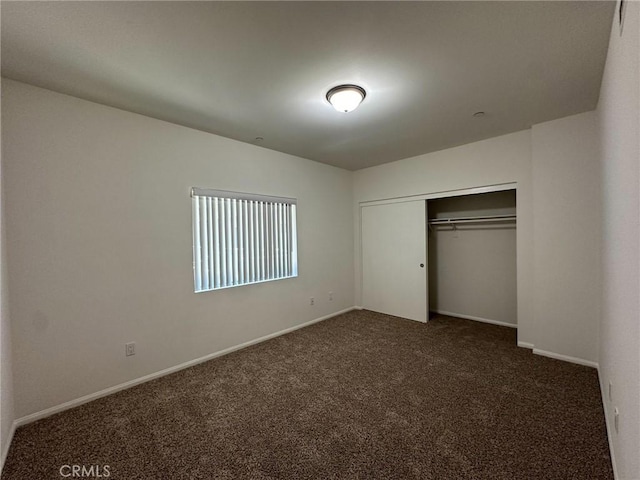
{"x":362,"y":395}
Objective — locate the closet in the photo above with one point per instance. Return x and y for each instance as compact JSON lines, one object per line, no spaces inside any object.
{"x":472,"y":257}
{"x":453,"y":254}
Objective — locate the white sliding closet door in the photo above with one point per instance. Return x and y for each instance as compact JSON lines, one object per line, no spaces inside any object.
{"x":394,"y":259}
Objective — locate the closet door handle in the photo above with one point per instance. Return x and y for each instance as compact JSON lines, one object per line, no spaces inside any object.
{"x":422,"y":265}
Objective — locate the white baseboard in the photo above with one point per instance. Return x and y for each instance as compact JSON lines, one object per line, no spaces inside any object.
{"x":477,"y":319}
{"x":7,"y":445}
{"x":123,"y":386}
{"x":566,"y":358}
{"x":605,"y":403}
{"x":526,"y":345}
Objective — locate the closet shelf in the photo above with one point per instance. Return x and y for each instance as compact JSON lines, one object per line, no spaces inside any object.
{"x":490,"y":218}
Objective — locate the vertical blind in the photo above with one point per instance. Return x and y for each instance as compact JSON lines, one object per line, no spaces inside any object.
{"x":240,"y":239}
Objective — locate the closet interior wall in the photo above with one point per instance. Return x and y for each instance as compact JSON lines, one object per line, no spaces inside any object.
{"x":472,"y":266}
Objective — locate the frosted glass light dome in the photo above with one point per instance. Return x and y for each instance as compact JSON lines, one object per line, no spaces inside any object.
{"x":346,"y":98}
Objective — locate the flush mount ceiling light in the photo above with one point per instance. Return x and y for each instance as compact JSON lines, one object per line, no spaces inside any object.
{"x":346,"y":98}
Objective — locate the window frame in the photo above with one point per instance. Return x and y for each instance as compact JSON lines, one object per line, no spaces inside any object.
{"x":262,"y":232}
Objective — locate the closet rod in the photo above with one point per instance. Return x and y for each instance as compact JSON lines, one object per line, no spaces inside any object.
{"x":490,"y":218}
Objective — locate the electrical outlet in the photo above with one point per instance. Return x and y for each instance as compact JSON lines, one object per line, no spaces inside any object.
{"x":312,"y":301}
{"x":610,"y":391}
{"x":616,"y":418}
{"x":130,"y":348}
{"x":331,"y":296}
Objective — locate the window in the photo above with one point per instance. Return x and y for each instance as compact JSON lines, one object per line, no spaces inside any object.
{"x":241,"y":238}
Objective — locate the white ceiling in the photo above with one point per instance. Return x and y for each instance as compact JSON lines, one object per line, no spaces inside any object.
{"x":261,"y":69}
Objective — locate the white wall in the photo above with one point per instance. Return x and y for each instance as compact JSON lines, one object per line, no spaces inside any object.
{"x":472,"y":269}
{"x":99,"y":243}
{"x":618,"y":114}
{"x":7,"y":415}
{"x":499,"y":160}
{"x":567,"y":219}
